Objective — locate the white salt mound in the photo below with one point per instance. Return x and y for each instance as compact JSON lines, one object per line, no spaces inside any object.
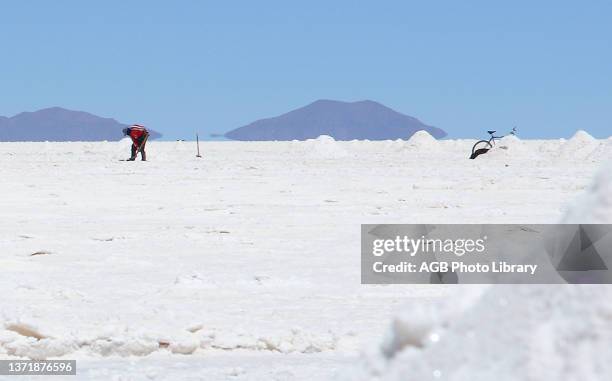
{"x":422,"y":139}
{"x":583,"y":137}
{"x":325,"y":147}
{"x":510,"y":146}
{"x":595,"y":206}
{"x":509,"y":140}
{"x":324,"y":138}
{"x":418,"y":324}
{"x":526,"y":332}
{"x":581,"y":145}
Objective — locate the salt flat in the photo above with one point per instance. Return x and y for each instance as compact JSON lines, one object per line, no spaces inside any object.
{"x":246,"y":255}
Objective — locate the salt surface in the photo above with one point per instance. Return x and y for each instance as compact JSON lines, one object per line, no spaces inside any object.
{"x":246,"y":251}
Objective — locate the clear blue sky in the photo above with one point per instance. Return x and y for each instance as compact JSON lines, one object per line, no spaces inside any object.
{"x":185,"y":66}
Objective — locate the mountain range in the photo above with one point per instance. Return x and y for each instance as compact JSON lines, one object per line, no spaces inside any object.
{"x":59,"y":124}
{"x":340,"y":120}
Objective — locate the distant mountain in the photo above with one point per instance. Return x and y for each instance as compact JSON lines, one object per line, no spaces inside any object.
{"x":341,"y":120}
{"x":59,"y":124}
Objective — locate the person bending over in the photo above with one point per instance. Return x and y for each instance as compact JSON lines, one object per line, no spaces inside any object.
{"x":139,"y":136}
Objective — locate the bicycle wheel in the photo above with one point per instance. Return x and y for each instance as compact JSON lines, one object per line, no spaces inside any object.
{"x":481,"y":147}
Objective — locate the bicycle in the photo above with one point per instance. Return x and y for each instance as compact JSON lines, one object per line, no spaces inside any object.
{"x":483,"y":146}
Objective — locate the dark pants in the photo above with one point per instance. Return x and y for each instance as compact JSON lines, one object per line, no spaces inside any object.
{"x":142,"y":151}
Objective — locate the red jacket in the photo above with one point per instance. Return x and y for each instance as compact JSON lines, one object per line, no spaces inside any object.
{"x":137,"y":133}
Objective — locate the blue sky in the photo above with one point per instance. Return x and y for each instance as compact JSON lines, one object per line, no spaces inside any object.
{"x":186,"y":66}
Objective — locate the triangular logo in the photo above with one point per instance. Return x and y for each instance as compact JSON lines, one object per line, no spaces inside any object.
{"x":581,"y":254}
